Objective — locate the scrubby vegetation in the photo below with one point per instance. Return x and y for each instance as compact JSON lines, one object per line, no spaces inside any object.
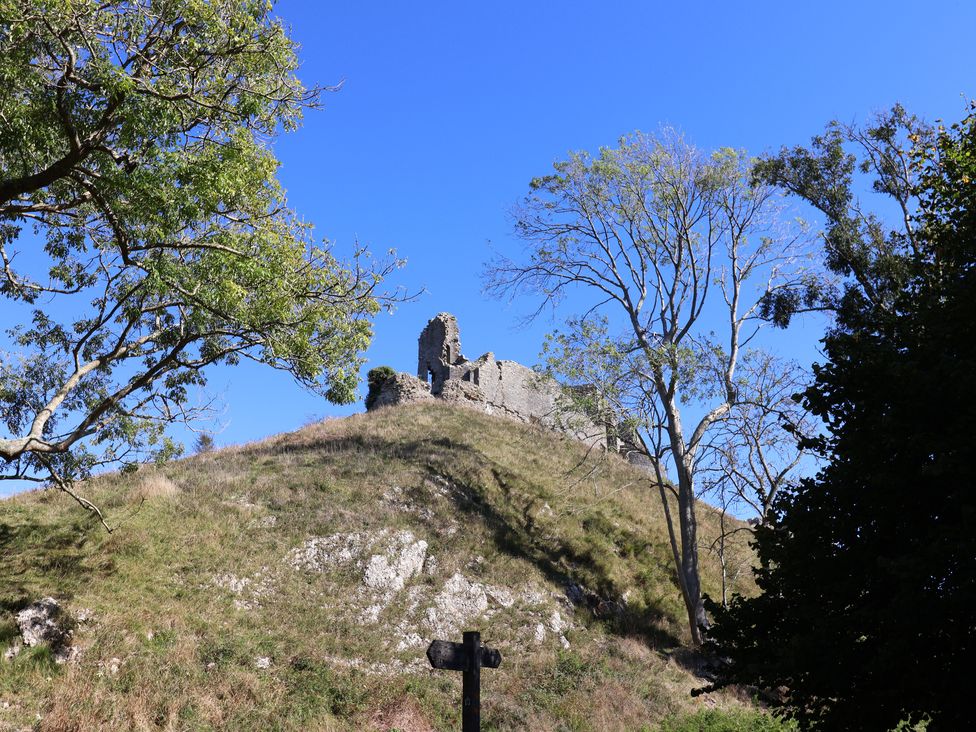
{"x":375,"y":380}
{"x":200,"y":622}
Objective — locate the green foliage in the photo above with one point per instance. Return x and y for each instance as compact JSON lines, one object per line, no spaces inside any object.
{"x":714,"y":720}
{"x":375,"y":379}
{"x":136,"y":139}
{"x":869,"y":570}
{"x":913,"y":725}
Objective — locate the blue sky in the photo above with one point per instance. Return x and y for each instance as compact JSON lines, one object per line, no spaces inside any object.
{"x":449,"y":109}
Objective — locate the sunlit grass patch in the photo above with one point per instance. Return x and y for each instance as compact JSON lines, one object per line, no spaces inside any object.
{"x":200,"y":621}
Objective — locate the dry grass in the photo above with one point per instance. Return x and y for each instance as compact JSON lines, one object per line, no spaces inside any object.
{"x":537,"y":507}
{"x":156,"y":485}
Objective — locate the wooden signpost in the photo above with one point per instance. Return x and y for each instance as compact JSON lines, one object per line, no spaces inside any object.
{"x":468,"y":657}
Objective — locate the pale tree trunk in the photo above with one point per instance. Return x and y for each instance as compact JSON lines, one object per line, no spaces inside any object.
{"x":688,"y":525}
{"x":685,"y":551}
{"x":686,"y":562}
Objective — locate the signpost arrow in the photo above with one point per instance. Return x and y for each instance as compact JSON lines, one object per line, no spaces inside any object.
{"x":447,"y":655}
{"x":468,"y":657}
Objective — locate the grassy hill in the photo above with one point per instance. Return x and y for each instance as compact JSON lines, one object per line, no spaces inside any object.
{"x":294,"y":583}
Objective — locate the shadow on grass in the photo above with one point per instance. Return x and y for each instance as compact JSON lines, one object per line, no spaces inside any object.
{"x":504,"y":503}
{"x":576,"y":568}
{"x":42,"y":559}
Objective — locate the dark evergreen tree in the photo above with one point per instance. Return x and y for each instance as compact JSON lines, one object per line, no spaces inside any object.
{"x":868,"y":571}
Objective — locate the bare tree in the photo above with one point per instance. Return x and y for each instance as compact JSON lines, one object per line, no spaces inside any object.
{"x":756,"y":449}
{"x":754,"y":452}
{"x":672,"y":253}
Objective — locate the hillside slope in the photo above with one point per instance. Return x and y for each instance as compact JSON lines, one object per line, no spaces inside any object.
{"x":294,"y":584}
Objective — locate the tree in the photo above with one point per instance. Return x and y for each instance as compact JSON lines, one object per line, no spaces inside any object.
{"x":754,"y":453}
{"x":667,"y":247}
{"x":135,"y":142}
{"x":204,"y":443}
{"x":868,"y":570}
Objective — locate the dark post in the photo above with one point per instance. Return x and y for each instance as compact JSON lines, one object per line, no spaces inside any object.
{"x":468,"y":657}
{"x":471,"y":683}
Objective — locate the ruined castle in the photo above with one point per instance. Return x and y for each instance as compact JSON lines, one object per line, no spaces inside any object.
{"x":495,"y":387}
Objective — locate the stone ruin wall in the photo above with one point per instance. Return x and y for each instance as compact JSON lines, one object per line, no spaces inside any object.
{"x":495,"y":387}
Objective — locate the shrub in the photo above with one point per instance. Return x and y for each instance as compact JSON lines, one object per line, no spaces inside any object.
{"x":376,"y":378}
{"x":204,"y":443}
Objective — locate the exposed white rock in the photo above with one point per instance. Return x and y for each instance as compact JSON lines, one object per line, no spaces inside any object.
{"x":395,"y":497}
{"x":396,"y":667}
{"x":540,"y":633}
{"x":410,"y":640}
{"x":502,"y":596}
{"x":371,"y":613}
{"x":323,"y":552}
{"x":45,"y":621}
{"x":388,"y":564}
{"x":403,"y":558}
{"x":556,"y":622}
{"x":262,"y":662}
{"x":232,"y":583}
{"x":533,"y":596}
{"x":457,"y":602}
{"x":243,"y":502}
{"x":110,"y":667}
{"x":440,"y":486}
{"x":248,"y":590}
{"x":387,"y":559}
{"x":38,"y":622}
{"x":559,"y":626}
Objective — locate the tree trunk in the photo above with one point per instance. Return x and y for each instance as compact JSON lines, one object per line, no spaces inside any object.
{"x":688,"y":526}
{"x":684,"y":461}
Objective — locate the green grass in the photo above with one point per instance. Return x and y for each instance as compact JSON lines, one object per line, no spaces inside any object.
{"x":712,"y":720}
{"x":535,"y":507}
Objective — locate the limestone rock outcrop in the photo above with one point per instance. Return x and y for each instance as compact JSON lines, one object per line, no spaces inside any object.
{"x":46,"y":622}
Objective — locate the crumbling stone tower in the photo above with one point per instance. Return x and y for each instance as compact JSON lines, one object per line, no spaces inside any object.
{"x":489,"y":385}
{"x":439,"y":351}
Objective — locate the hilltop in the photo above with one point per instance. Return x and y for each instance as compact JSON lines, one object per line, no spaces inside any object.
{"x":294,"y":584}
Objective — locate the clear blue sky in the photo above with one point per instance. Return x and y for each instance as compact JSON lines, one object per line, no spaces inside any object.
{"x":449,"y":109}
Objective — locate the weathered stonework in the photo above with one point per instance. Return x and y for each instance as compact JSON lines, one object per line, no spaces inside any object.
{"x":400,"y":389}
{"x":497,"y":387}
